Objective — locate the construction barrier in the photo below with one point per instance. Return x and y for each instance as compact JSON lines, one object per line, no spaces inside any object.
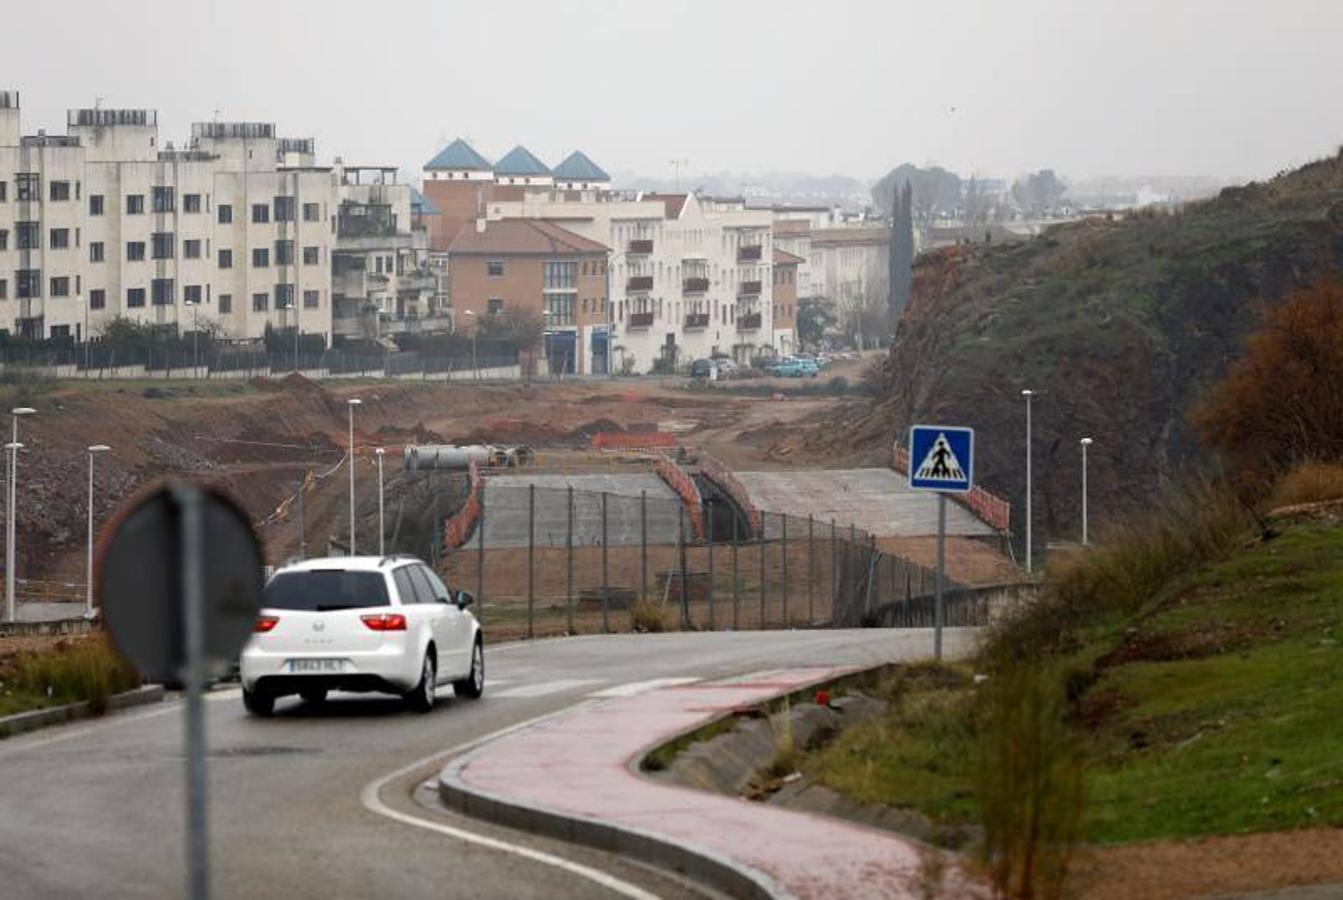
{"x":994,"y":510}
{"x":620,"y":440}
{"x":720,"y":475}
{"x":460,"y":526}
{"x":680,"y":482}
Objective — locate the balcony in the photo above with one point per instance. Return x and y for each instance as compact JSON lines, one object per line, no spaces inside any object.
{"x":639,"y":283}
{"x":696,"y":321}
{"x":749,"y":323}
{"x":640,"y":247}
{"x":694,"y":285}
{"x":749,"y":289}
{"x":750,"y":253}
{"x":641,"y":320}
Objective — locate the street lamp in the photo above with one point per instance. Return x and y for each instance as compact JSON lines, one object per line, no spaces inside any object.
{"x":1086,"y":442}
{"x":1028,"y":394}
{"x":13,"y":447}
{"x":382,"y":530}
{"x":88,"y":571}
{"x":195,"y":337}
{"x":351,"y":404}
{"x":475,"y":330}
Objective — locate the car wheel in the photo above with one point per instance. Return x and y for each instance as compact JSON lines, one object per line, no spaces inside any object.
{"x":313,"y":695}
{"x":258,"y":703}
{"x":421,"y":697}
{"x":473,"y":685}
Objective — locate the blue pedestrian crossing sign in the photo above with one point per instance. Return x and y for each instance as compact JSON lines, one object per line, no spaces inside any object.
{"x":941,"y":458}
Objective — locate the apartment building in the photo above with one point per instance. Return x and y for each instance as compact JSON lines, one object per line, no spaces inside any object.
{"x":786,"y":267}
{"x":850,"y":269}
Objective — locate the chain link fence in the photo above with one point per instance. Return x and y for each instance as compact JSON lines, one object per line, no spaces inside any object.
{"x":543,"y":561}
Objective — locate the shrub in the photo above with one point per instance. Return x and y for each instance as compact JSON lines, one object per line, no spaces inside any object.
{"x":1029,"y":780}
{"x":1308,"y":483}
{"x":84,"y":670}
{"x":650,"y":616}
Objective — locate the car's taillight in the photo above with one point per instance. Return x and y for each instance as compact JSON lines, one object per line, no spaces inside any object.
{"x":265,"y":623}
{"x":385,"y":622}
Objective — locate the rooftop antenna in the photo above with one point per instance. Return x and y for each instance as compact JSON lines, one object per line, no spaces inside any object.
{"x":677,"y":165}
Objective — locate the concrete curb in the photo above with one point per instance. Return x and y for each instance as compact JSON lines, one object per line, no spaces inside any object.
{"x":33,"y":719}
{"x":702,"y":865}
{"x":52,"y":626}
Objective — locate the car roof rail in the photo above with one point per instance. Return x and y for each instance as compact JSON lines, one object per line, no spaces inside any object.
{"x":396,"y":557}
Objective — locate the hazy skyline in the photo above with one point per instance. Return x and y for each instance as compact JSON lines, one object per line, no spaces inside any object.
{"x":1140,"y":87}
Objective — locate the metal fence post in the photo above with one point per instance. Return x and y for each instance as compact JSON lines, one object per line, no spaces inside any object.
{"x":480,"y":561}
{"x":680,"y":564}
{"x":834,"y":573}
{"x":531,"y":558}
{"x":736,"y":583}
{"x":643,"y":544}
{"x":712,"y":586}
{"x":606,"y":600}
{"x":764,"y":519}
{"x":811,"y":569}
{"x":784,"y":544}
{"x":569,"y":566}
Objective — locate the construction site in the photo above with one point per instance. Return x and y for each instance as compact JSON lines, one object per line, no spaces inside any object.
{"x":578,"y":501}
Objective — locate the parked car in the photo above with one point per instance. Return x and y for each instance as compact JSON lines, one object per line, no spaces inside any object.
{"x":794,"y":368}
{"x":361,"y":623}
{"x":726,"y":367}
{"x":702,"y":368}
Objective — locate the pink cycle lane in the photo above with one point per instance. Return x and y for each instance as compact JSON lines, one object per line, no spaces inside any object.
{"x":575,"y":776}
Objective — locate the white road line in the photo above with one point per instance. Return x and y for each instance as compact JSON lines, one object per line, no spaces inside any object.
{"x":370,"y":797}
{"x":545,"y":688}
{"x":635,"y":688}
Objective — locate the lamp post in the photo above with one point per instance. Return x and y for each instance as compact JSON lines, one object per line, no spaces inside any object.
{"x":13,"y":447}
{"x":1086,"y":442}
{"x":351,"y":404}
{"x":1028,"y":394}
{"x":382,"y":530}
{"x":88,"y":570}
{"x":475,"y":330}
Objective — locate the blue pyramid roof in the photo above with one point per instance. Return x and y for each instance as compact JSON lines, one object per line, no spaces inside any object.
{"x":577,"y":167}
{"x":422,"y":205}
{"x":520,"y":161}
{"x":459,"y":155}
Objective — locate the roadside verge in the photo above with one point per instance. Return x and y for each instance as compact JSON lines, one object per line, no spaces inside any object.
{"x":32,"y":719}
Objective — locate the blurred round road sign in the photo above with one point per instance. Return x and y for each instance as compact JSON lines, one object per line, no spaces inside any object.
{"x":139,"y":580}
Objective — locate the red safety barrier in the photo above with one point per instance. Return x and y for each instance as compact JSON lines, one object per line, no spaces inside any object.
{"x":680,"y":482}
{"x":459,"y":527}
{"x":720,"y":475}
{"x":994,"y":510}
{"x":619,"y":440}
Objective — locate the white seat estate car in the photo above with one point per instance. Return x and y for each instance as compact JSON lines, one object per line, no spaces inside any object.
{"x":361,"y":623}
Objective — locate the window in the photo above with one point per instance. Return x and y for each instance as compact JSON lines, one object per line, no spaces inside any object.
{"x":135,"y":251}
{"x":494,"y":306}
{"x":4,"y":188}
{"x":97,"y":298}
{"x":4,"y":289}
{"x":163,"y":199}
{"x":284,"y":296}
{"x":260,"y":213}
{"x":191,"y":203}
{"x":327,"y":589}
{"x":191,"y":249}
{"x":58,"y":190}
{"x":494,"y":268}
{"x":27,"y":186}
{"x":59,"y":238}
{"x":96,"y":251}
{"x":405,"y":588}
{"x":559,"y":276}
{"x":60,"y":286}
{"x":135,"y":298}
{"x":284,"y":253}
{"x":27,"y":283}
{"x":559,"y":308}
{"x":312,"y":299}
{"x":191,"y":293}
{"x":225,"y":259}
{"x":162,"y":291}
{"x":27,"y":235}
{"x":260,"y":302}
{"x":60,"y":331}
{"x":311,"y":212}
{"x":95,"y":204}
{"x":226,"y":303}
{"x":423,"y":588}
{"x":164,"y":244}
{"x":284,"y":209}
{"x":260,"y":258}
{"x":225,"y":214}
{"x":135,"y":204}
{"x":311,"y":256}
{"x":4,"y":239}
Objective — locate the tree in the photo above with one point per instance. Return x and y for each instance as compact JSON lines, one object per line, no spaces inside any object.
{"x":935,"y":191}
{"x":515,"y":324}
{"x":978,"y":204}
{"x":814,"y":321}
{"x":1039,"y":193}
{"x":1281,"y":403}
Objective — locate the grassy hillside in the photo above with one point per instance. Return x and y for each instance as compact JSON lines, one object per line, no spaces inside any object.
{"x":1214,"y":709}
{"x":1119,"y":324}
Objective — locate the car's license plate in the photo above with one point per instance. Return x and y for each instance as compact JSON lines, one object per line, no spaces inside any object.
{"x":316,"y":665}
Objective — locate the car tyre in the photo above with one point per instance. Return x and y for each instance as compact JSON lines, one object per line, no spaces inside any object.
{"x":421,"y":697}
{"x":258,"y":703}
{"x":313,"y":695}
{"x":473,"y":685}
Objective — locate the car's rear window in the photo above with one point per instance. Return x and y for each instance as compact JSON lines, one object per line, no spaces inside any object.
{"x":320,"y":590}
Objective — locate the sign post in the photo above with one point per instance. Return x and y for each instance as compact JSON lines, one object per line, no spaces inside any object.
{"x":191,"y":611}
{"x":941,"y":459}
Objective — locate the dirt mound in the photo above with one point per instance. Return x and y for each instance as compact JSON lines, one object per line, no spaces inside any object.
{"x":293,"y":382}
{"x":596,"y":426}
{"x":415,"y":435}
{"x":516,"y":431}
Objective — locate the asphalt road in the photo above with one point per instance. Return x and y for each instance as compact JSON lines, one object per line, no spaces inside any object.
{"x":322,"y":802}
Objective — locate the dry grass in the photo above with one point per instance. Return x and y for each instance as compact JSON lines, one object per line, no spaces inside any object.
{"x":1308,"y":483}
{"x":651,"y":616}
{"x":81,"y":670}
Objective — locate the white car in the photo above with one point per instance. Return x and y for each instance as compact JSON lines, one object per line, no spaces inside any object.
{"x":361,"y":623}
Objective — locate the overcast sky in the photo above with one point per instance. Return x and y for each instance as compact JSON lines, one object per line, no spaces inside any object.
{"x":1088,"y":87}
